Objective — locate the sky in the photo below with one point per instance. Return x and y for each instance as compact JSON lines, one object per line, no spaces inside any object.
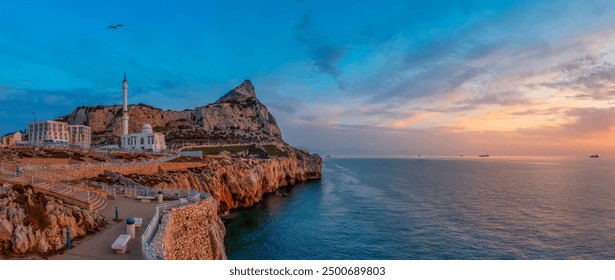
{"x":341,"y":77}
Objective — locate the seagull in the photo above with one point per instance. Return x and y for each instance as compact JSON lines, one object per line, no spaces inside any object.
{"x":114,"y":26}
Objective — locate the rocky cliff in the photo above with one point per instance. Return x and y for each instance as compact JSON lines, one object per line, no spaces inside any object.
{"x":35,"y":223}
{"x":237,"y":117}
{"x":235,"y":175}
{"x":237,"y":182}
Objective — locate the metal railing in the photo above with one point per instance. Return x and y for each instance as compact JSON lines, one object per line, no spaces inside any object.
{"x":56,"y":187}
{"x":152,"y":228}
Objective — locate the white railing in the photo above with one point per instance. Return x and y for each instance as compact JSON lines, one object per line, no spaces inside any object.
{"x":152,"y":228}
{"x":50,"y":185}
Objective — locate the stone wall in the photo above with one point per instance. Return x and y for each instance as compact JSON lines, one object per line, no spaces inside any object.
{"x":41,"y":161}
{"x":192,"y":232}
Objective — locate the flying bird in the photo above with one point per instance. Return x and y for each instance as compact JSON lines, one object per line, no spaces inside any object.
{"x":115,"y":26}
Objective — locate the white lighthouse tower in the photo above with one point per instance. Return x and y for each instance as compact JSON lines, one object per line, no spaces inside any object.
{"x":125,"y":113}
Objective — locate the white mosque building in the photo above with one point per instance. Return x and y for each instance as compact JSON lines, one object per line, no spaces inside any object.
{"x":147,"y":140}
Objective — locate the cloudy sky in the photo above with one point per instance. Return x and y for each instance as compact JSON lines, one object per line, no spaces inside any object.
{"x":377,"y":77}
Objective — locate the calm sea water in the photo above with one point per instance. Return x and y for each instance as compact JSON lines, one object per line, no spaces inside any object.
{"x":490,"y":208}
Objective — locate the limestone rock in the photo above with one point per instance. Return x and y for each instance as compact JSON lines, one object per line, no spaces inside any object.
{"x":236,"y":182}
{"x":20,"y":240}
{"x":6,"y":232}
{"x":237,"y":117}
{"x":45,"y":232}
{"x":161,"y":170}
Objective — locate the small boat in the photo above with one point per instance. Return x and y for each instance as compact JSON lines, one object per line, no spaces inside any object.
{"x":328,"y":156}
{"x":593,"y":156}
{"x":483,"y":156}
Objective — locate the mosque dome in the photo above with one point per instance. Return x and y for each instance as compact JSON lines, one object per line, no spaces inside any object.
{"x":147,"y":128}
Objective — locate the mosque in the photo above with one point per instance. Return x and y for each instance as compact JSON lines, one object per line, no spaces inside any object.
{"x":147,"y":140}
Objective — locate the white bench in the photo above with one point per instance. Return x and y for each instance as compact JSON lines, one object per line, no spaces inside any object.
{"x":138,"y":222}
{"x":145,"y":198}
{"x":121,"y":244}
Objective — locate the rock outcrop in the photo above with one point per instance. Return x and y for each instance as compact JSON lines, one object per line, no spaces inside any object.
{"x":237,"y":182}
{"x":235,"y":175}
{"x":237,"y":117}
{"x":31,"y":222}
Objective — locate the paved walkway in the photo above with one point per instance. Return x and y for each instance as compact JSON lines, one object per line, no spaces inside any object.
{"x":98,"y":246}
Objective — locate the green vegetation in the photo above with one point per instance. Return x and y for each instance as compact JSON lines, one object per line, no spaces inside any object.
{"x":273,"y":151}
{"x":218,"y":150}
{"x":250,"y":150}
{"x":162,"y":128}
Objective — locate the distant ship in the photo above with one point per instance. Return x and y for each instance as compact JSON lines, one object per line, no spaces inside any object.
{"x":483,"y":156}
{"x":593,"y":156}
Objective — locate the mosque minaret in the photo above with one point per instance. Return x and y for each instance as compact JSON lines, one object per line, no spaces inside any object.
{"x":125,"y":109}
{"x":147,"y":140}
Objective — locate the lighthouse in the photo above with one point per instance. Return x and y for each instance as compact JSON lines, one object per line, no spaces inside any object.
{"x":125,"y":113}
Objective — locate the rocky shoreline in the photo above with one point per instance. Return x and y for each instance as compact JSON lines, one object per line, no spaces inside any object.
{"x":244,"y":158}
{"x":34,"y":224}
{"x":233,"y":183}
{"x":236,"y":182}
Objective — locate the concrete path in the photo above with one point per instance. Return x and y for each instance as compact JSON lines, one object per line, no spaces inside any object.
{"x":98,"y":246}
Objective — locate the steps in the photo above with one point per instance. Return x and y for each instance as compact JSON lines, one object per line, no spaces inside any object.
{"x":97,"y":202}
{"x":60,"y":188}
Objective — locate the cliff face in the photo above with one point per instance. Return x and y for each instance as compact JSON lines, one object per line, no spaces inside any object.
{"x":239,"y":110}
{"x":236,"y":117}
{"x":238,"y":182}
{"x":35,"y":223}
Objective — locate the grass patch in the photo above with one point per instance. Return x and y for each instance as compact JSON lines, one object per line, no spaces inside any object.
{"x":162,"y":128}
{"x":219,"y":150}
{"x":272,"y":150}
{"x":252,"y":150}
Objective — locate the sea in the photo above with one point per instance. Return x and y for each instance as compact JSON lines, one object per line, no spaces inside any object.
{"x":423,"y":208}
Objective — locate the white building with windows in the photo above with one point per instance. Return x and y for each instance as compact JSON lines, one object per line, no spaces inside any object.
{"x":48,"y":133}
{"x":80,"y":136}
{"x":147,"y":140}
{"x":59,"y":134}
